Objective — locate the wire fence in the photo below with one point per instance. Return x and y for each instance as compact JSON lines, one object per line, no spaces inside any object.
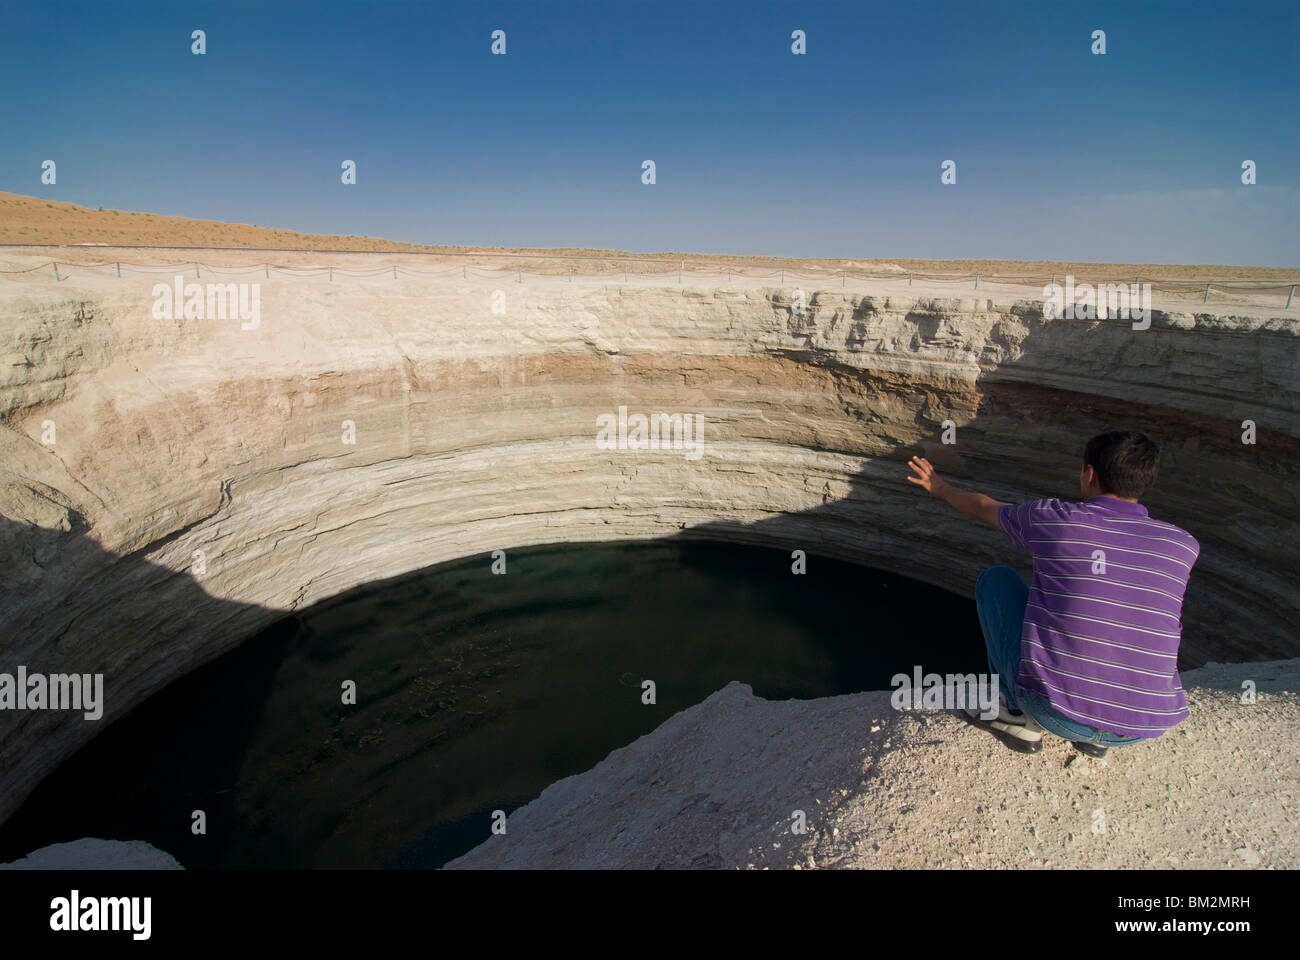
{"x":612,"y":268}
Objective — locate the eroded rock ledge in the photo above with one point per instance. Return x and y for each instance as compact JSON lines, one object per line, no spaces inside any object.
{"x":717,"y":786}
{"x":476,"y":431}
{"x":93,"y":854}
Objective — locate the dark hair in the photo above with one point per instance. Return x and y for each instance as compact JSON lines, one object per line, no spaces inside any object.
{"x":1125,"y":461}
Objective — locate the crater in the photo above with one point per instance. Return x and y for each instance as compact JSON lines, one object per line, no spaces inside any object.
{"x":204,"y":480}
{"x":475,"y":691}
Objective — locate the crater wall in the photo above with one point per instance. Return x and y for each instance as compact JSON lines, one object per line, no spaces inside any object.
{"x":476,"y":430}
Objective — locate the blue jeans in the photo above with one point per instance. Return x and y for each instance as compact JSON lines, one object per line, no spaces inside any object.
{"x":1000,"y":597}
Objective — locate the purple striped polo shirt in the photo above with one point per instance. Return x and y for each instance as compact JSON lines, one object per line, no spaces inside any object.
{"x":1103,"y":621}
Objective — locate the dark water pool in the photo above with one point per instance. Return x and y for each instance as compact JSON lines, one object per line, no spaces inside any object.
{"x":474,"y":692}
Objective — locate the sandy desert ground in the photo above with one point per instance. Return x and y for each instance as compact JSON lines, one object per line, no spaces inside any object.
{"x":32,"y":222}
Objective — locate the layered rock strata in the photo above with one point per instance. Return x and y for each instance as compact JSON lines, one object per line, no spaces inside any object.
{"x":170,"y":486}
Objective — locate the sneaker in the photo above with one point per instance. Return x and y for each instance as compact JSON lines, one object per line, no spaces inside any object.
{"x":1017,"y":731}
{"x":1008,"y":714}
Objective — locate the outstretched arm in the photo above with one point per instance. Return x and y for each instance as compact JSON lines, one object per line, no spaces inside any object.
{"x":982,"y":508}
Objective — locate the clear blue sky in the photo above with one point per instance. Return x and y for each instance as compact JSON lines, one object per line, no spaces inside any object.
{"x":1134,"y":156}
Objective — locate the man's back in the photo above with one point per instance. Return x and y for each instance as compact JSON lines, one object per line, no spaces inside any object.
{"x":1102,"y":624}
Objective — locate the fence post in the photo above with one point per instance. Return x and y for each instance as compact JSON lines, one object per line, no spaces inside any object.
{"x":268,"y":270}
{"x":331,"y":274}
{"x":625,"y":274}
{"x":1289,"y":296}
{"x":394,"y":271}
{"x":783,"y":278}
{"x":909,"y":279}
{"x":119,"y":271}
{"x":977,"y":281}
{"x":56,"y":270}
{"x":196,"y":270}
{"x":1206,"y":298}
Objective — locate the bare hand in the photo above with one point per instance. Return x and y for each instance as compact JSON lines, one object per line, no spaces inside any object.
{"x":925,"y":475}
